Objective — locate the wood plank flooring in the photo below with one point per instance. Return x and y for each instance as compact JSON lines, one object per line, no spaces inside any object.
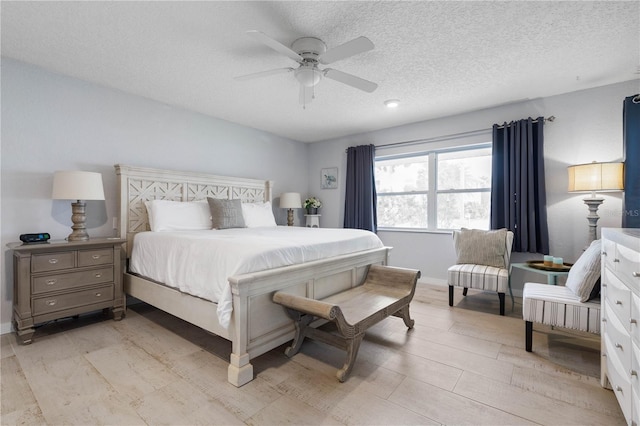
{"x":460,"y":365}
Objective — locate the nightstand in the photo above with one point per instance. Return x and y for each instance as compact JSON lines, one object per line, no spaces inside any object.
{"x":61,"y":278}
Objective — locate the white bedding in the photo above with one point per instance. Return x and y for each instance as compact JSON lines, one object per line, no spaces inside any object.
{"x":200,"y":262}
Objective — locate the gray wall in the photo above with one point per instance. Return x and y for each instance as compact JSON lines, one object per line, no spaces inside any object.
{"x":588,"y":127}
{"x":52,"y":122}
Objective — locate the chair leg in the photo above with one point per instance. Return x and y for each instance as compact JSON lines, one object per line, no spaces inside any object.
{"x":528,"y":333}
{"x":501,"y":296}
{"x":464,"y":291}
{"x":450,"y":295}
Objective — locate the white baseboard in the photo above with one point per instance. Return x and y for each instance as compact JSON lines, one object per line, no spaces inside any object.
{"x":5,"y":328}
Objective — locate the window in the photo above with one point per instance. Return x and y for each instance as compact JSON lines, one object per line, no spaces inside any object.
{"x":445,"y":189}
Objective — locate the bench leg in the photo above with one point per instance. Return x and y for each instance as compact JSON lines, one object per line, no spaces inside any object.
{"x":301,"y":323}
{"x":352,"y":352}
{"x":501,"y":296}
{"x":450,"y":295}
{"x":406,"y":317}
{"x":528,"y":333}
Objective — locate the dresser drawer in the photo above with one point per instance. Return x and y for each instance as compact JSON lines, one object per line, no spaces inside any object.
{"x":628,"y":263}
{"x":619,"y":380}
{"x":609,"y":253}
{"x":71,"y":279}
{"x":45,"y":305}
{"x":618,"y":337}
{"x":634,"y":322}
{"x":95,"y":257}
{"x":53,"y":261}
{"x":619,"y":297}
{"x":635,"y":368}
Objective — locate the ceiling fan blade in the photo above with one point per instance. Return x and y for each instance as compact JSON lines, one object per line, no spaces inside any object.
{"x":350,"y":48}
{"x":275,"y":45}
{"x":263,"y":74}
{"x":350,"y":80}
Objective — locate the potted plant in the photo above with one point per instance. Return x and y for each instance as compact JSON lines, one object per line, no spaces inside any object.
{"x":312,"y":204}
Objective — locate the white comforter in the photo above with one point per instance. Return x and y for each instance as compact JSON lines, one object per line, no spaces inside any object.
{"x":200,"y":262}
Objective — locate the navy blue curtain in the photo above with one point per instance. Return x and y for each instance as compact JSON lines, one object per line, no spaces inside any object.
{"x":518,"y":195}
{"x":360,"y":196}
{"x":631,"y":136}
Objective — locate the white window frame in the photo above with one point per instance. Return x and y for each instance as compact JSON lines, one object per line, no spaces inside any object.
{"x":433,"y":191}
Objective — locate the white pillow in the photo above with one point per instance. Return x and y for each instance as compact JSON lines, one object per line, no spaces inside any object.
{"x":258,"y":214}
{"x":585,"y":272}
{"x":165,"y":215}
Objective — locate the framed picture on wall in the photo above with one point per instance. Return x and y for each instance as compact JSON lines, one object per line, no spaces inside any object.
{"x":329,"y":178}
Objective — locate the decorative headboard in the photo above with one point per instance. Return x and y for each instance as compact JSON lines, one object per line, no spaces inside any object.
{"x":138,"y":184}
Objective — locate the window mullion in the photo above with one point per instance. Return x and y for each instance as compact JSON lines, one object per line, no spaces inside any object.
{"x":432,"y":208}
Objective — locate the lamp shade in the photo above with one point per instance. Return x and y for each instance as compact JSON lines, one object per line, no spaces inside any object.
{"x":596,"y":177}
{"x":290,"y":200}
{"x":77,"y":185}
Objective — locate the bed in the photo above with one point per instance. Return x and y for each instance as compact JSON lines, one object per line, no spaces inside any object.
{"x":257,"y":325}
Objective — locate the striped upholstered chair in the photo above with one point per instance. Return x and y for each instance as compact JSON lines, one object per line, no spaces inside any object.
{"x":482,"y":262}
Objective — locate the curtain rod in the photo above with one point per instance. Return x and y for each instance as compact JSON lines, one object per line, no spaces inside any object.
{"x":550,"y":119}
{"x":447,"y":137}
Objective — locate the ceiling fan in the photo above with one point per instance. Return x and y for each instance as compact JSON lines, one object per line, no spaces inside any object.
{"x":309,"y":52}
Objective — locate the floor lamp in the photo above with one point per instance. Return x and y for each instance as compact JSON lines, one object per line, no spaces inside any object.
{"x":595,"y":177}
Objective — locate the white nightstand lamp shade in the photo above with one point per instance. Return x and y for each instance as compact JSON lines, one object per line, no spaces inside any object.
{"x":595,"y":177}
{"x":290,"y":201}
{"x":79,"y":186}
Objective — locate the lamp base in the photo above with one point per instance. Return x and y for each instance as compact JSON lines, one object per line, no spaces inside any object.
{"x":78,"y":217}
{"x":593,"y":203}
{"x":290,"y":217}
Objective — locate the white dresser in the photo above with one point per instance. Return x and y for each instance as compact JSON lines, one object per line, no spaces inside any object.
{"x":620,"y":366}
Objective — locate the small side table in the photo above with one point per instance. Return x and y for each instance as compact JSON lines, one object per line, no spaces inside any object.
{"x":313,"y":220}
{"x":552,"y":276}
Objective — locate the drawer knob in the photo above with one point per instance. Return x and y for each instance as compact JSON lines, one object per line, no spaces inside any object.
{"x":98,"y":275}
{"x":616,"y":260}
{"x":634,"y":373}
{"x":98,"y":294}
{"x":633,"y":321}
{"x":636,"y":274}
{"x":51,"y":282}
{"x":53,"y":261}
{"x":51,"y":302}
{"x":619,"y":346}
{"x":618,"y":302}
{"x":619,"y":389}
{"x":95,"y":256}
{"x":604,"y":253}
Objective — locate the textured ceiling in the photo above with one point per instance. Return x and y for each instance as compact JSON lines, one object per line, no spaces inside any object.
{"x":438,"y":58}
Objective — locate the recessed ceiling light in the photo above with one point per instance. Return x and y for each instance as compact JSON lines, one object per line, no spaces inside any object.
{"x":392,"y":103}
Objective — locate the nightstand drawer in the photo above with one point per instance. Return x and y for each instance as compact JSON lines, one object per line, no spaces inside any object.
{"x":95,"y":257}
{"x":71,"y":279}
{"x":60,"y":302}
{"x":52,"y":261}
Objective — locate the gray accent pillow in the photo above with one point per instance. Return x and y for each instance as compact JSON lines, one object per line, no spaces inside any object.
{"x":584,"y":274}
{"x":478,"y":247}
{"x":226,"y":213}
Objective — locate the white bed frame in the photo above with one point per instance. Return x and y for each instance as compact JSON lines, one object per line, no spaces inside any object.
{"x":257,"y":324}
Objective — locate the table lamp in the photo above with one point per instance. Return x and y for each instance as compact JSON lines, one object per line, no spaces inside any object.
{"x":79,"y":186}
{"x":595,"y":177}
{"x":290,"y":200}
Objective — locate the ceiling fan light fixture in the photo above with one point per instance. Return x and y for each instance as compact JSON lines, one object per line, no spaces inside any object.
{"x":392,"y":103}
{"x":308,"y":76}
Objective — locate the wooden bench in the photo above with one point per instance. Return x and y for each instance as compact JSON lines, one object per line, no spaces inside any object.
{"x":386,"y":291}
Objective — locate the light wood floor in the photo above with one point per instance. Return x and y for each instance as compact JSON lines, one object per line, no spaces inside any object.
{"x":460,"y":365}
